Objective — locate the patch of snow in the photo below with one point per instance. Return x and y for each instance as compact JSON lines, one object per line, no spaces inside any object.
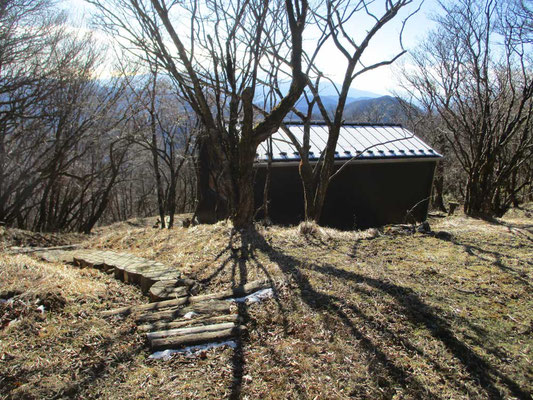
{"x":167,"y":354}
{"x":190,"y":314}
{"x":255,"y":297}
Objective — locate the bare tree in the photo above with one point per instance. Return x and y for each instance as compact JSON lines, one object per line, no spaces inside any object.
{"x":213,"y":52}
{"x":516,"y":21}
{"x":56,"y":119}
{"x":28,"y":32}
{"x":333,"y":20}
{"x":164,"y":128}
{"x":473,"y":71}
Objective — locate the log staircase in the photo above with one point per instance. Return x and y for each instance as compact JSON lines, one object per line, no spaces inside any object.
{"x":177,"y":315}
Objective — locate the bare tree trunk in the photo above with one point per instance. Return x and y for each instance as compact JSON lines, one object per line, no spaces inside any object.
{"x":206,"y":205}
{"x":155,"y":156}
{"x":116,"y":163}
{"x":309,"y":187}
{"x":437,"y":198}
{"x":2,"y":169}
{"x":171,"y":198}
{"x":244,"y":212}
{"x":268,"y":175}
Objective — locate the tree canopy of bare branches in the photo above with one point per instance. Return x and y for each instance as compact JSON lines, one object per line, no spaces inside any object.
{"x":164,"y":128}
{"x":332,"y":18}
{"x":474,"y":72}
{"x":60,"y":146}
{"x":215,"y":52}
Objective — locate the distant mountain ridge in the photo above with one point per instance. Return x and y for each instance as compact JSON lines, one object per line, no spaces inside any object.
{"x":381,"y":109}
{"x":385,"y":110}
{"x":361,"y":106}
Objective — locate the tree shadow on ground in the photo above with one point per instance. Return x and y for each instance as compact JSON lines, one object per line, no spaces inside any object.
{"x":495,"y":257}
{"x":412,"y":306}
{"x":252,"y":240}
{"x":239,"y":261}
{"x":524,"y":231}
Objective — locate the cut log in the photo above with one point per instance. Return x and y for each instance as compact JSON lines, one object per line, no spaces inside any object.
{"x":133,"y":271}
{"x":160,"y":305}
{"x":23,"y":250}
{"x":190,"y":330}
{"x":207,"y":308}
{"x":79,"y":259}
{"x":119,"y":263}
{"x":176,"y":342}
{"x":162,"y":326}
{"x":166,"y":290}
{"x":119,"y":272}
{"x":60,"y":256}
{"x":94,"y":261}
{"x":148,"y":278}
{"x":146,"y":307}
{"x":239,"y":291}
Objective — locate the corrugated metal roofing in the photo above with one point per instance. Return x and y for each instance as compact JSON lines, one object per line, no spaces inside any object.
{"x":361,"y":140}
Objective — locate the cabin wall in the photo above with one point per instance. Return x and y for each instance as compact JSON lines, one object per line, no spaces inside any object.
{"x":363,"y":195}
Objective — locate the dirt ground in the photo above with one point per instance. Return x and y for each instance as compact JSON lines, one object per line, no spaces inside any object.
{"x":379,"y":314}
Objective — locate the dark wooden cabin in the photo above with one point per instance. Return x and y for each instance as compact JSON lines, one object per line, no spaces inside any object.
{"x":388,"y":178}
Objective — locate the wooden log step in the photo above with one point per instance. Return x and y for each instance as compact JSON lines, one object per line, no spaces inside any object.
{"x":24,"y":250}
{"x":62,"y":256}
{"x":239,"y":291}
{"x":181,"y":323}
{"x":159,"y":291}
{"x":128,"y":268}
{"x":49,"y":256}
{"x":236,"y":292}
{"x":191,"y":284}
{"x":119,"y":270}
{"x":79,"y":258}
{"x":166,"y":290}
{"x":175,"y":342}
{"x":146,"y":307}
{"x":134,"y":271}
{"x":190,"y":330}
{"x":206,"y":308}
{"x":157,"y":274}
{"x":115,"y":260}
{"x":93,"y":259}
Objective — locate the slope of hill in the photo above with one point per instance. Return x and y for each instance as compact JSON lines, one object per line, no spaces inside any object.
{"x":385,"y":109}
{"x":380,"y":110}
{"x":355,"y":315}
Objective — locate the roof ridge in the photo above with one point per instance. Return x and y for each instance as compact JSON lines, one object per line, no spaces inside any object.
{"x":350,"y":123}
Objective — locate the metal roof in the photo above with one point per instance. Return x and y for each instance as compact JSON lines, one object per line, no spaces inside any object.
{"x":366,"y":141}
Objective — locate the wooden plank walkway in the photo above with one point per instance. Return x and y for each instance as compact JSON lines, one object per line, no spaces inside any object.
{"x":176,"y":316}
{"x":126,"y":267}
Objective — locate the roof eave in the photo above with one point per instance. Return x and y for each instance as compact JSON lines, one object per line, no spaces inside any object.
{"x":365,"y":160}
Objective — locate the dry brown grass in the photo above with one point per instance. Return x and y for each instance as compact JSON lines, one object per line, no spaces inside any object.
{"x":355,"y":315}
{"x":17,"y":237}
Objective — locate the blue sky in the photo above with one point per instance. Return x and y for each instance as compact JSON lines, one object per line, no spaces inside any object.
{"x":380,"y":81}
{"x":385,"y":45}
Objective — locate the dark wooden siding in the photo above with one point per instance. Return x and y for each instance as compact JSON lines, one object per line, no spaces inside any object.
{"x":363,"y":195}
